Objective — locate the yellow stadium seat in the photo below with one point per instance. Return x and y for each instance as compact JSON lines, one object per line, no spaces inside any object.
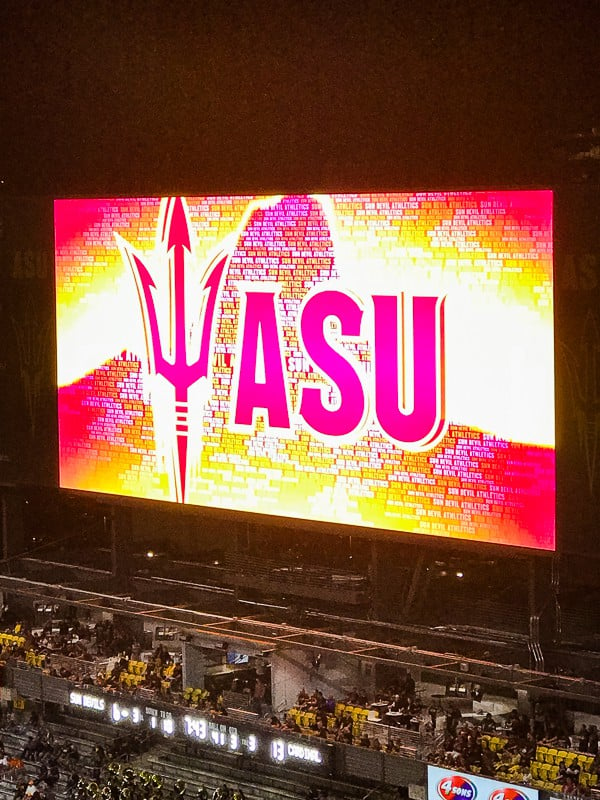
{"x":543,"y":772}
{"x":535,"y":770}
{"x":551,"y":754}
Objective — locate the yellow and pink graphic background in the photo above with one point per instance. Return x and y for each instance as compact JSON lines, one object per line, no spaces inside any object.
{"x":489,"y":254}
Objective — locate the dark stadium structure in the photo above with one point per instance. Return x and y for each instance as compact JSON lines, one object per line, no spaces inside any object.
{"x":466,"y":621}
{"x":158,"y":651}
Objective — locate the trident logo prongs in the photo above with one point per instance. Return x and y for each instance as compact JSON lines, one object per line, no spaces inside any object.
{"x":168,"y":353}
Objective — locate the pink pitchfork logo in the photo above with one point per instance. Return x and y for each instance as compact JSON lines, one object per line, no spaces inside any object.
{"x":169,"y":356}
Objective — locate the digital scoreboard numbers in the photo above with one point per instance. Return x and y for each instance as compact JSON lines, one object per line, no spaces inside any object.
{"x":217,"y":734}
{"x":220,"y":735}
{"x":383,"y":361}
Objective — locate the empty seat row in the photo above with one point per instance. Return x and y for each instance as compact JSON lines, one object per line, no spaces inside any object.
{"x":358,"y":713}
{"x":540,"y":770}
{"x":193,"y":695}
{"x":494,"y":743}
{"x":553,"y":755}
{"x":11,"y":640}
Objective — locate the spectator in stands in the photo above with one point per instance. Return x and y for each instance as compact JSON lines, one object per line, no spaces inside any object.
{"x":584,"y":739}
{"x":593,"y":740}
{"x":409,"y":686}
{"x":302,"y":698}
{"x":473,"y":751}
{"x":488,"y":724}
{"x":31,"y":748}
{"x":222,"y":792}
{"x":574,"y":770}
{"x":562,"y":772}
{"x":515,"y":724}
{"x":489,"y":760}
{"x":539,"y":729}
{"x":71,"y":783}
{"x":258,"y":695}
{"x":53,"y":774}
{"x":70,"y":754}
{"x":397,"y":703}
{"x":290,"y":724}
{"x":530,"y":746}
{"x":433,"y":715}
{"x":344,"y":733}
{"x":453,"y":717}
{"x":20,"y":788}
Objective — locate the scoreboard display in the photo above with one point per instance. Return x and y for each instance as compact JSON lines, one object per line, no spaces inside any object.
{"x":383,"y":361}
{"x":213,"y":733}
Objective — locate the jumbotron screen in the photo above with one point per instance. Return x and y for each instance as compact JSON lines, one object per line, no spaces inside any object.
{"x":383,"y":361}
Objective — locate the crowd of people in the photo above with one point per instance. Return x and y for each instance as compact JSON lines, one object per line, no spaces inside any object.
{"x":103,"y":654}
{"x":505,"y":747}
{"x":122,"y":782}
{"x":37,"y":768}
{"x":108,"y":771}
{"x":458,"y":744}
{"x":469,"y":747}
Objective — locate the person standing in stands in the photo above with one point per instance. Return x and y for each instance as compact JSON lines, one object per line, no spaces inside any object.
{"x":488,"y":724}
{"x":562,"y":772}
{"x":593,"y":741}
{"x":574,"y":770}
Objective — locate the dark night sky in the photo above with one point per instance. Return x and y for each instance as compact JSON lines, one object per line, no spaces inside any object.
{"x":121,"y":97}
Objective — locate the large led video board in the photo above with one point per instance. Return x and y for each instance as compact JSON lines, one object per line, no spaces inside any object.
{"x":376,"y":360}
